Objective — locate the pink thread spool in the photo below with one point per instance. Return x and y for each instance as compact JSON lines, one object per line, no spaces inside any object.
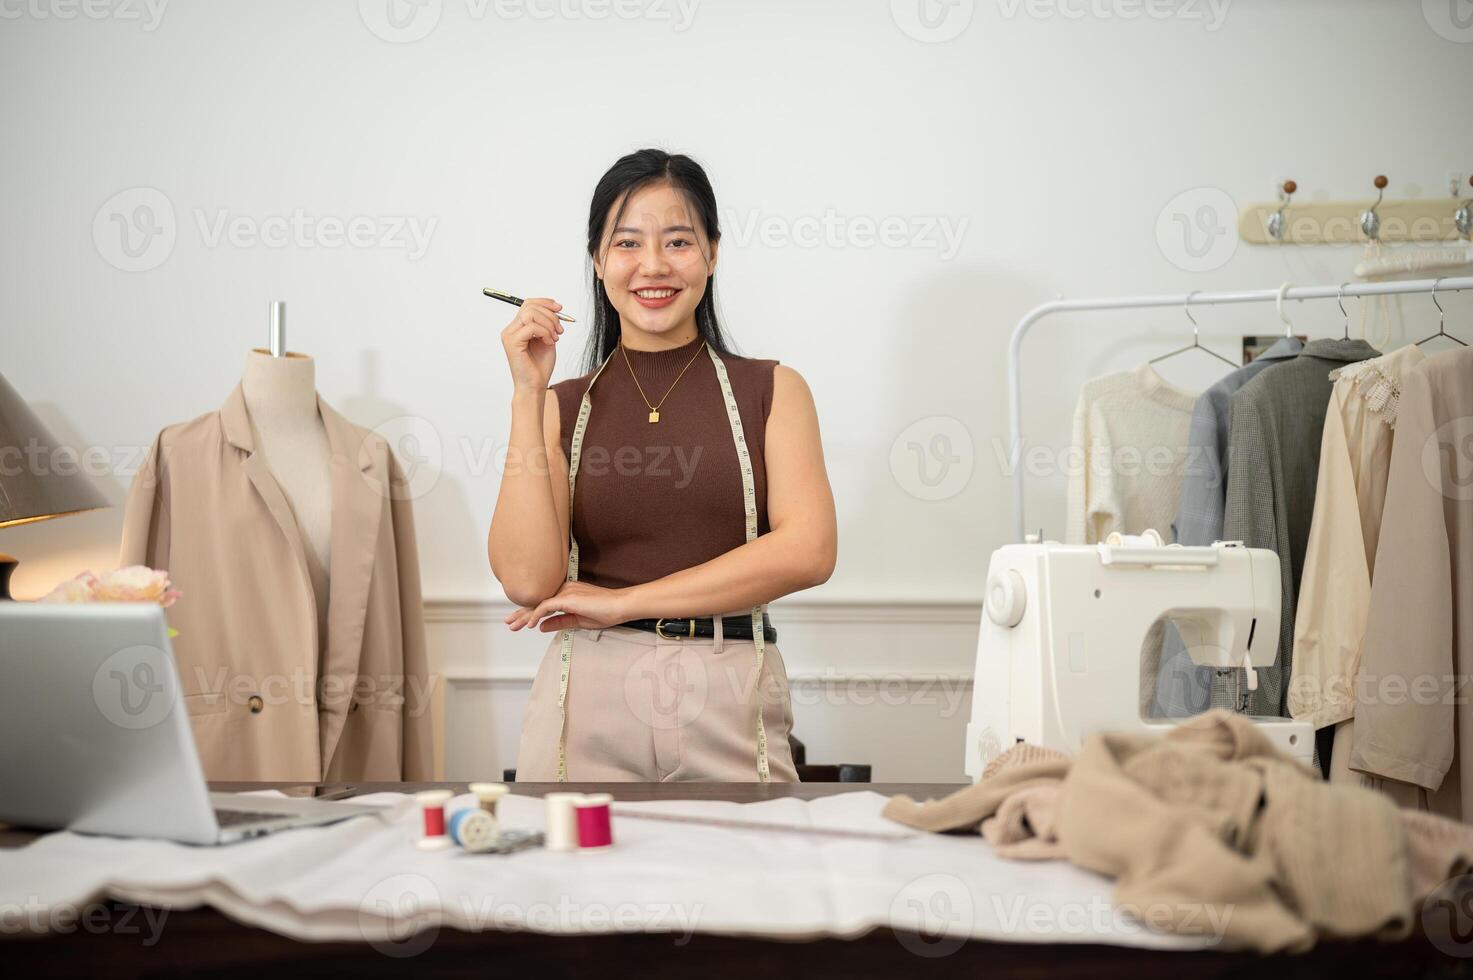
{"x":595,"y":829}
{"x":432,"y":802}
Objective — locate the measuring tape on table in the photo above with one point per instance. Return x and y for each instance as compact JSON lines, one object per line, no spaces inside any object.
{"x":749,"y":502}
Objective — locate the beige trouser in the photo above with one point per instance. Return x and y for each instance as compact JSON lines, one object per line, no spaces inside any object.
{"x":649,"y":709}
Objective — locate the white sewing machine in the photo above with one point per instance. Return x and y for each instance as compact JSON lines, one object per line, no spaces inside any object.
{"x":1059,"y":653}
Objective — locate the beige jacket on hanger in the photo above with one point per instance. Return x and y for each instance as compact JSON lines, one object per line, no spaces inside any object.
{"x":206,"y":508}
{"x":1413,"y":722}
{"x":1335,"y":585}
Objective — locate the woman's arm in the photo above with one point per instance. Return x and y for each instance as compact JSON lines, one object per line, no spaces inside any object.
{"x":800,"y":549}
{"x":528,"y":541}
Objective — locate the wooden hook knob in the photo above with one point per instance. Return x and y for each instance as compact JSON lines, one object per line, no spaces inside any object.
{"x":1380,"y":182}
{"x":1290,"y":187}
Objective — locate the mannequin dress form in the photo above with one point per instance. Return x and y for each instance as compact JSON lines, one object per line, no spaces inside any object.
{"x":252,"y":508}
{"x":281,"y":398}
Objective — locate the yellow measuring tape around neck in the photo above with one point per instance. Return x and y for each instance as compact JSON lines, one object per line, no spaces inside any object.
{"x":749,"y":500}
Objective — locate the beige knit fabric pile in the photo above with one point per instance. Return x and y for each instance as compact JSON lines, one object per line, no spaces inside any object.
{"x":1212,"y":815}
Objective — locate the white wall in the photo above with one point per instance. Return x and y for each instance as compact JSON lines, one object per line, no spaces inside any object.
{"x":1055,"y":136}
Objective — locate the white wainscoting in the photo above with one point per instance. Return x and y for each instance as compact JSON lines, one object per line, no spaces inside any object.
{"x":885,"y":685}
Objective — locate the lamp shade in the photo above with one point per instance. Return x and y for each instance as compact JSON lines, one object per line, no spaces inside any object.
{"x":36,"y":481}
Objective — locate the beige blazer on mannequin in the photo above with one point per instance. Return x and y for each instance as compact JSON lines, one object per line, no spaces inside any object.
{"x":206,"y":508}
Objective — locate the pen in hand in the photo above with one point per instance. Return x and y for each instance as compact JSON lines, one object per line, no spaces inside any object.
{"x":518,"y":301}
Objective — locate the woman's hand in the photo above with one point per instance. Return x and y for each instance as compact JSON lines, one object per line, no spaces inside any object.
{"x":579,"y":606}
{"x":530,"y":341}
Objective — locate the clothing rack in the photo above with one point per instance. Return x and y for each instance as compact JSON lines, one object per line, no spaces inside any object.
{"x":1204,"y":298}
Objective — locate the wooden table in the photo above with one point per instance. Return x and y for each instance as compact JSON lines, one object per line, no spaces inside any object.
{"x":206,"y":942}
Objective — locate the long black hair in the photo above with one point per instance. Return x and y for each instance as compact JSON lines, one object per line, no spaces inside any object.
{"x":629,"y":174}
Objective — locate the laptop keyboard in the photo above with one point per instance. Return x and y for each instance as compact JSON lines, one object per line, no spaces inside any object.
{"x":232,"y":818}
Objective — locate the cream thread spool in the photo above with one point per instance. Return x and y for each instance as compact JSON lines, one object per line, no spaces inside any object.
{"x":562,"y":821}
{"x":487,"y":796}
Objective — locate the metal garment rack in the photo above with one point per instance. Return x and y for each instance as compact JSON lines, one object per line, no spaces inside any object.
{"x":1015,"y":344}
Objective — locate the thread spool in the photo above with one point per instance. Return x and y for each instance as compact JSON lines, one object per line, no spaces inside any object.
{"x":595,"y":830}
{"x":488,"y":795}
{"x":473,"y":829}
{"x":562,"y":823}
{"x":432,"y":804}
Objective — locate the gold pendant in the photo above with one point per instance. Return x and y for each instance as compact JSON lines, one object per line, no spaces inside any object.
{"x":654,"y":415}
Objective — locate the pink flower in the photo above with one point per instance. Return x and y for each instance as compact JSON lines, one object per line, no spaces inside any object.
{"x":136,"y":583}
{"x":77,"y":589}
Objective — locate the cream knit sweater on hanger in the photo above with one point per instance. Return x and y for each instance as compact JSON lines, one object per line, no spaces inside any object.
{"x":1128,"y":455}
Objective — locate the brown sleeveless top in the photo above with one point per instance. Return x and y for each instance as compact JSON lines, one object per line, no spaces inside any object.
{"x":655,"y":498}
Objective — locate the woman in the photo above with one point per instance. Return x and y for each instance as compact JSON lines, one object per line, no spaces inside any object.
{"x":699,"y":495}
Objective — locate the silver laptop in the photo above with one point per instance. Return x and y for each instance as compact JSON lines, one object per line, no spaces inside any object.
{"x":95,"y":738}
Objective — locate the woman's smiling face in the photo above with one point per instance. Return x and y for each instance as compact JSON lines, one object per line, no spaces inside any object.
{"x":655,"y":261}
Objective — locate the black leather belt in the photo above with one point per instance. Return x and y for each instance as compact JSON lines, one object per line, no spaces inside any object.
{"x":732,"y":628}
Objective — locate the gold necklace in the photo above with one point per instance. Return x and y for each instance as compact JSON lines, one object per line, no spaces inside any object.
{"x":655,"y":409}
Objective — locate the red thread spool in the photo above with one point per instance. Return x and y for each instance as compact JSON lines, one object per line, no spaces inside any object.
{"x":433,"y":802}
{"x":595,"y":829}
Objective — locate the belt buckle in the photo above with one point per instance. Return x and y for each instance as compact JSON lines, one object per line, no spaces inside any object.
{"x":660,"y":630}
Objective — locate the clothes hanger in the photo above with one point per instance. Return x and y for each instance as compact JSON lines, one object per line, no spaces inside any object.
{"x":1441,"y":320}
{"x":1279,"y":304}
{"x":1195,"y":344}
{"x":1340,"y":298}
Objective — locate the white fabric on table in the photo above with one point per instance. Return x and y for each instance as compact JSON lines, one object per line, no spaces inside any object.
{"x":364,"y":879}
